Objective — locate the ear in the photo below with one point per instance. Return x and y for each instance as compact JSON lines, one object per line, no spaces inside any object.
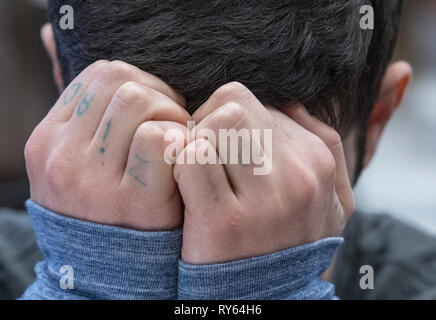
{"x":47,"y":37}
{"x":393,"y":87}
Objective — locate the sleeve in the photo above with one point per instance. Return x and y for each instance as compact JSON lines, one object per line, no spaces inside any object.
{"x":83,"y":260}
{"x":293,"y":274}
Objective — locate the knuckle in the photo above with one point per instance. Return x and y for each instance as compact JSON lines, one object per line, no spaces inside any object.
{"x":34,"y":146}
{"x":57,"y":173}
{"x":31,"y":150}
{"x":332,"y":137}
{"x":308,"y":185}
{"x":117,"y":70}
{"x":100,"y":62}
{"x":231,"y":111}
{"x":96,"y":69}
{"x":149,"y":132}
{"x":324,"y":162}
{"x":131,"y":94}
{"x":231,"y":91}
{"x":327,"y":164}
{"x":228,"y":116}
{"x":97,"y":66}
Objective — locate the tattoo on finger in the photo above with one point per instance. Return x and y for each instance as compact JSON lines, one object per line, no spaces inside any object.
{"x":84,"y":104}
{"x":135,"y":171}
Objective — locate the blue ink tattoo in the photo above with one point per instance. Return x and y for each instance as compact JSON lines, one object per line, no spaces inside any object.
{"x":106,"y":133}
{"x":141,"y":160}
{"x":108,"y":128}
{"x":132,"y":172}
{"x":84,"y":104}
{"x":74,"y":90}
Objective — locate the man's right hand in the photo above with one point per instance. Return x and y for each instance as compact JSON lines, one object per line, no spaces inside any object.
{"x":99,"y":153}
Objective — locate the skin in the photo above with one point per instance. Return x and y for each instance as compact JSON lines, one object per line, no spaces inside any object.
{"x":224,"y":205}
{"x":98,"y":154}
{"x":227,"y":215}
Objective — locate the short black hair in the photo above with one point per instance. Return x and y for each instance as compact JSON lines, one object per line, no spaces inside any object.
{"x":313,"y":52}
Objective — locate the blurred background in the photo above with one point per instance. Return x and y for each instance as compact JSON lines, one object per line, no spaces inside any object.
{"x":27,"y":91}
{"x":401,"y":181}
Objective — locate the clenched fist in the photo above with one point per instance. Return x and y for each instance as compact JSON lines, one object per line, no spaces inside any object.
{"x":231,"y":213}
{"x":99,"y":153}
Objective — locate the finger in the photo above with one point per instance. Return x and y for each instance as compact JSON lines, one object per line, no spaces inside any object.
{"x":241,"y":144}
{"x":149,"y":176}
{"x":95,"y":100}
{"x":131,"y":105}
{"x":202,"y":185}
{"x":64,"y":107}
{"x":146,"y":165}
{"x":231,"y":92}
{"x":333,"y":141}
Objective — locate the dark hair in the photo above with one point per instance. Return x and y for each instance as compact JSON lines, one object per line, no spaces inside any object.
{"x":313,"y":52}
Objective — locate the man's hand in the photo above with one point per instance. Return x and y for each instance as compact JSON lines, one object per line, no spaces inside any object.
{"x":232,"y":214}
{"x":99,"y":154}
